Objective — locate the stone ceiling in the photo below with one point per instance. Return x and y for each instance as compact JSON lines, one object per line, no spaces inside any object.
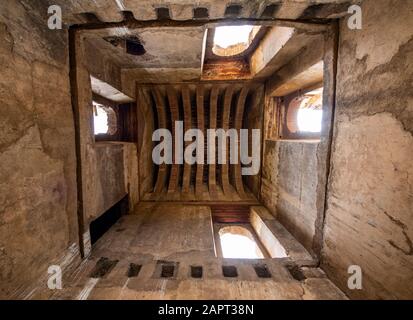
{"x":176,"y":54}
{"x":80,"y":11}
{"x":165,"y":47}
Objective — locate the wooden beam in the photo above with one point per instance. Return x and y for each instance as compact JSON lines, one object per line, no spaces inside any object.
{"x":186,"y":98}
{"x":161,"y":110}
{"x":239,"y":186}
{"x":201,"y":126}
{"x":225,"y":125}
{"x":313,"y":25}
{"x":212,"y":183}
{"x":173,"y":105}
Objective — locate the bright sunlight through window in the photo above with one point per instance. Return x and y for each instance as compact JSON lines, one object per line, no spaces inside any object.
{"x":100,"y":119}
{"x":238,"y":243}
{"x":310,"y":112}
{"x":232,"y":35}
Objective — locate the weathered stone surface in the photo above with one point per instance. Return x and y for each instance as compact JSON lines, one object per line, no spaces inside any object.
{"x":38,"y":220}
{"x":290,"y":184}
{"x":297,"y":188}
{"x":179,"y":235}
{"x":111,"y":10}
{"x":368,"y":218}
{"x":370,"y":205}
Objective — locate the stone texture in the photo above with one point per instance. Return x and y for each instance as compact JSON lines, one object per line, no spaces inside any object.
{"x":368,"y":219}
{"x":182,"y":235}
{"x":370,"y":205}
{"x":290,"y":186}
{"x":297,"y":188}
{"x":37,"y":152}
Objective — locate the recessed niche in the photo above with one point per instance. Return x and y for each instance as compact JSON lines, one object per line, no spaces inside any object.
{"x":134,"y":47}
{"x":201,"y":13}
{"x":196,"y":272}
{"x":167,"y":271}
{"x":296,"y":272}
{"x":163,"y":13}
{"x":103,"y":267}
{"x":133,"y":270}
{"x":229,"y":271}
{"x":233,"y":10}
{"x":262,"y":271}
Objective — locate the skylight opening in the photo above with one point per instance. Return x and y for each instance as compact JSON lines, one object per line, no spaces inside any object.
{"x":238,"y":243}
{"x":232,"y":35}
{"x":233,"y":40}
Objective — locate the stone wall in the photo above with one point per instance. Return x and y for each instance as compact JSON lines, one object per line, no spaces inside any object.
{"x":293,"y":176}
{"x":109,"y":170}
{"x":369,"y":217}
{"x":38,"y":219}
{"x":290,"y":184}
{"x":115,"y":174}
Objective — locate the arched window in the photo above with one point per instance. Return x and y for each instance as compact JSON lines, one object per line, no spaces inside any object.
{"x":238,"y":242}
{"x":305,"y":112}
{"x":310,"y":112}
{"x":233,"y":40}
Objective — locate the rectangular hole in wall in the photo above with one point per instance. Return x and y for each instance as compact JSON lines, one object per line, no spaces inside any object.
{"x":201,"y":13}
{"x":167,"y":271}
{"x":296,"y":272}
{"x":102,"y":224}
{"x":233,"y":10}
{"x":262,"y":271}
{"x":103,"y":267}
{"x":133,"y":270}
{"x":270,"y":11}
{"x":196,"y":272}
{"x":229,"y":271}
{"x":163,"y":13}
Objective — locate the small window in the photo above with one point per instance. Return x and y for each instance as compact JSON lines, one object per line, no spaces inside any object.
{"x":296,"y":116}
{"x":105,"y":120}
{"x":310,"y":112}
{"x":233,"y":40}
{"x":239,"y":243}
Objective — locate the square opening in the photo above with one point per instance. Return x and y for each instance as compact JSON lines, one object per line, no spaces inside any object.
{"x":201,"y":13}
{"x":229,"y":271}
{"x":296,"y":272}
{"x":262,"y":271}
{"x":270,"y":11}
{"x":103,"y":267}
{"x":167,"y":271}
{"x":233,"y":10}
{"x":196,"y":272}
{"x":133,"y":270}
{"x":163,"y":13}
